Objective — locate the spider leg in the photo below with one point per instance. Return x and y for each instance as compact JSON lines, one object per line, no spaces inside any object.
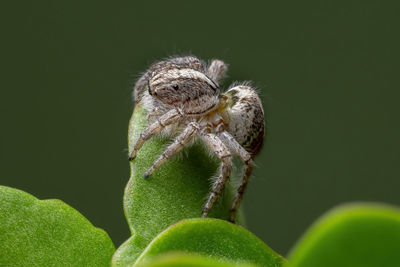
{"x":217,"y":69}
{"x":245,"y":157}
{"x":139,"y":88}
{"x":168,"y":118}
{"x":188,"y":133}
{"x":222,"y":152}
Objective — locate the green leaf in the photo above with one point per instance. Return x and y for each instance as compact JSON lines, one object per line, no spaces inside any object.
{"x":176,"y":191}
{"x":213,"y":238}
{"x":354,"y":235}
{"x":188,"y":260}
{"x":48,"y":233}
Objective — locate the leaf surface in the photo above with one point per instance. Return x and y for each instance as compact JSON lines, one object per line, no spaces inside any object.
{"x":213,"y":238}
{"x":48,"y":233}
{"x":353,"y":235}
{"x":188,"y":260}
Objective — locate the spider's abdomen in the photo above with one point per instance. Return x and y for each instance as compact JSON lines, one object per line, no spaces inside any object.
{"x":246,"y":118}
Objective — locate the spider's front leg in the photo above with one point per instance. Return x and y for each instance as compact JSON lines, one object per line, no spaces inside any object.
{"x":245,"y":157}
{"x":215,"y":144}
{"x":185,"y":137}
{"x":168,"y":118}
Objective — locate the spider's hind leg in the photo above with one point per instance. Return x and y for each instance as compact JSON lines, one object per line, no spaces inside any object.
{"x":221,"y":151}
{"x":245,"y":157}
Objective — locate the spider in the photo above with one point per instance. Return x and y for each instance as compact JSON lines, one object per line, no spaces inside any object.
{"x":183,"y":97}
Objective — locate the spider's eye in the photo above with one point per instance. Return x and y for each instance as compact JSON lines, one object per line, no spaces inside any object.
{"x":175,"y":87}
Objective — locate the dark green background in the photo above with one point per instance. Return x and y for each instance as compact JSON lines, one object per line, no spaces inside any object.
{"x":328,"y":72}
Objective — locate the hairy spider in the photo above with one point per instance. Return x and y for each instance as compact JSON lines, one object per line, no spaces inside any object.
{"x":184,"y":100}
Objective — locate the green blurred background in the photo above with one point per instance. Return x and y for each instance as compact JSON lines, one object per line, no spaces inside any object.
{"x":328,"y":73}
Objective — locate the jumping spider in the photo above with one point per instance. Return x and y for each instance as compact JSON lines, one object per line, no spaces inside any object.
{"x":184,"y":100}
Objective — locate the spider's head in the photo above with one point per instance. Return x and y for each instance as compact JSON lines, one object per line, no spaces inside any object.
{"x":186,"y":88}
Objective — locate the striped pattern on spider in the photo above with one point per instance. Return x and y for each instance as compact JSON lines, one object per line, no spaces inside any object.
{"x":184,"y":100}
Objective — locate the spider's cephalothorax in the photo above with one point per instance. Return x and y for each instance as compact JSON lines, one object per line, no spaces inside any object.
{"x":183,"y":99}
